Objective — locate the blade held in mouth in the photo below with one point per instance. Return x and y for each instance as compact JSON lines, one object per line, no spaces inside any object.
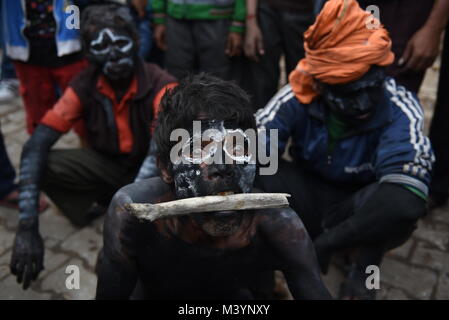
{"x":242,"y":201}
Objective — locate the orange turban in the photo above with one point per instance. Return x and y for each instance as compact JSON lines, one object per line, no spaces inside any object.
{"x":340,"y":48}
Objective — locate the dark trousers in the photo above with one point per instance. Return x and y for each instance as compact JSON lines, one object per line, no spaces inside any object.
{"x":402,"y":18}
{"x":323,"y":205}
{"x":7,"y":173}
{"x":439,"y":133}
{"x":76,"y":178}
{"x":197,"y":46}
{"x":282,"y":34}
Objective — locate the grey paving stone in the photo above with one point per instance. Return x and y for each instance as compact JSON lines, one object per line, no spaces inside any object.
{"x":14,"y":150}
{"x":437,"y":238}
{"x":56,"y":282}
{"x":17,"y":117}
{"x":4,"y":265}
{"x":85,"y":243}
{"x":67,"y":141}
{"x":11,"y":290}
{"x":391,"y":294}
{"x":19,"y":137}
{"x":98,"y":225}
{"x":441,"y":215}
{"x":333,"y":280}
{"x":54,"y":227}
{"x":9,"y":127}
{"x":9,"y":217}
{"x":443,"y":287}
{"x":6,"y":108}
{"x":426,"y":255}
{"x":416,"y":282}
{"x":6,"y":239}
{"x":402,"y":251}
{"x":53,"y":260}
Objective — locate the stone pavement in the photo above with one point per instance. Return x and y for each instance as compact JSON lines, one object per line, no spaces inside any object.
{"x":417,"y":270}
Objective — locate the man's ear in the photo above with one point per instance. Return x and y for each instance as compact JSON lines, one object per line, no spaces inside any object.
{"x":165,"y":173}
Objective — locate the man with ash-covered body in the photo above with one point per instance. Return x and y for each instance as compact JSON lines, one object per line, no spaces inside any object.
{"x":117,"y":96}
{"x":362,"y":164}
{"x":202,"y":255}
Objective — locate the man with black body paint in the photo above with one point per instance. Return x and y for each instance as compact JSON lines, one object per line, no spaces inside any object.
{"x":117,"y":95}
{"x":361,"y":162}
{"x":205,"y":255}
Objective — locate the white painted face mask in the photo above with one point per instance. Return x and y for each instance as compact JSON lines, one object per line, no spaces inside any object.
{"x":209,"y":147}
{"x":107,"y":40}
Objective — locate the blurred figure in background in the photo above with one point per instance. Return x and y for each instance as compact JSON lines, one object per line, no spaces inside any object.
{"x":273,"y":28}
{"x":9,"y":85}
{"x":46,"y":52}
{"x":415,"y":27}
{"x":199,"y":36}
{"x":439,"y":135}
{"x":141,"y":12}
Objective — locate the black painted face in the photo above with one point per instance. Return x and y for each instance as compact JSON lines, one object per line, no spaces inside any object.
{"x":356,"y":102}
{"x":197,"y":176}
{"x":115,"y":52}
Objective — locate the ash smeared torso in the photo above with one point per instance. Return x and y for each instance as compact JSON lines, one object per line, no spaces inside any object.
{"x":174,"y":259}
{"x":170,"y":267}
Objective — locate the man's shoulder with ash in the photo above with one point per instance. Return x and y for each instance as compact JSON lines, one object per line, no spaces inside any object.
{"x":152,"y":190}
{"x":277,"y":215}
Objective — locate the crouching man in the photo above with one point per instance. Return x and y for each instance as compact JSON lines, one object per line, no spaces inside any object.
{"x":117,"y":96}
{"x":362,"y":164}
{"x":202,"y":255}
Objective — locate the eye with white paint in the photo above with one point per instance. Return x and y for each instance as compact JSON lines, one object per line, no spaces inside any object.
{"x":198,"y":154}
{"x":237,"y":145}
{"x":107,"y":39}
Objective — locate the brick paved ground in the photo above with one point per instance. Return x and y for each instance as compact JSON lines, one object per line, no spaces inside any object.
{"x":417,"y":270}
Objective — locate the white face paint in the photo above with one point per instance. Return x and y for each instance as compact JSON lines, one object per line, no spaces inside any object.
{"x":233,"y":142}
{"x":108,"y":40}
{"x":114,"y":51}
{"x":203,"y":154}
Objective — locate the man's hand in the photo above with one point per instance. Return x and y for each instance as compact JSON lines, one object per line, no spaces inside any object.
{"x":234,"y":44}
{"x":140,"y":6}
{"x":28,"y":252}
{"x":253,"y":46}
{"x":421,"y":51}
{"x":159,"y":36}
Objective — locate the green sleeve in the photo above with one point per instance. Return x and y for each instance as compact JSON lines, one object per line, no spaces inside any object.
{"x":238,"y":18}
{"x":159,"y":11}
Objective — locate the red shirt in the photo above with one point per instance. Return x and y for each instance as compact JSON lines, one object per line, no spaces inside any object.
{"x":68,"y":110}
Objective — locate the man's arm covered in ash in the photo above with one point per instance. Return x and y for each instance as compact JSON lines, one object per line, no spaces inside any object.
{"x":28,"y":250}
{"x":116,"y":268}
{"x":285,"y":232}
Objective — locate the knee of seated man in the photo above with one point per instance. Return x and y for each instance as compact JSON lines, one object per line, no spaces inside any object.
{"x":409,"y":207}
